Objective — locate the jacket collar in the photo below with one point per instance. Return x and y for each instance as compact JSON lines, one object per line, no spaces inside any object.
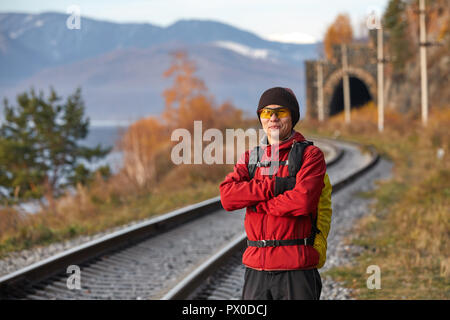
{"x":286,"y":143}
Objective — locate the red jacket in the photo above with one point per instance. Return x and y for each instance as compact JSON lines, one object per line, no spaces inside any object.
{"x":283,"y":217}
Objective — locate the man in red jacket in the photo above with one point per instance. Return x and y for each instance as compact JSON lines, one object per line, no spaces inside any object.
{"x":280,"y":258}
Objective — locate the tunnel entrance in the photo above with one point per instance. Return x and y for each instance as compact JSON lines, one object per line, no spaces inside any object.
{"x":359,"y":95}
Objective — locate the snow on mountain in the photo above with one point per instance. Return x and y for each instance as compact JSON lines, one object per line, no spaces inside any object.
{"x":244,"y":50}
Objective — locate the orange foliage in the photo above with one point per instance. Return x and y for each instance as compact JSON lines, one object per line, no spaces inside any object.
{"x":187,"y":99}
{"x":339,"y":32}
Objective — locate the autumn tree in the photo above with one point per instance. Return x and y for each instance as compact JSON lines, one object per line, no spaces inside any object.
{"x":339,"y":32}
{"x":147,"y":139}
{"x":188,"y":99}
{"x":146,"y":144}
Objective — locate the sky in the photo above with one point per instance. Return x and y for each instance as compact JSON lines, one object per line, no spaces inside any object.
{"x":300,"y":21}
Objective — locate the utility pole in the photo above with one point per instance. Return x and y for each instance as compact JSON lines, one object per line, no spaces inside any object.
{"x":423,"y":63}
{"x":346,"y":83}
{"x":380,"y":78}
{"x":320,"y":110}
{"x":374,"y":22}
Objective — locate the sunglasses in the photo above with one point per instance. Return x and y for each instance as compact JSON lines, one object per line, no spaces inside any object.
{"x":279,"y":112}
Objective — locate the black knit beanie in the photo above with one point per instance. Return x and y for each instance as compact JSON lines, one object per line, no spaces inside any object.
{"x":283,"y":97}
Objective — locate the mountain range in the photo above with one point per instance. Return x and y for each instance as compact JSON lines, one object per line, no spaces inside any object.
{"x":120,"y":66}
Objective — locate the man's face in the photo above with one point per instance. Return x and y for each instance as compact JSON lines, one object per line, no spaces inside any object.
{"x":278,"y":126}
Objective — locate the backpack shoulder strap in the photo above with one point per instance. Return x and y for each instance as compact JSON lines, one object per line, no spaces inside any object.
{"x":295,"y":158}
{"x":254,"y":157}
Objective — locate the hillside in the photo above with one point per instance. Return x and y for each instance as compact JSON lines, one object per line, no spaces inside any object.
{"x":402,"y":49}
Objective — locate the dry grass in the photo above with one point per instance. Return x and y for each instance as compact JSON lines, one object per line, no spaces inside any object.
{"x":407,"y":232}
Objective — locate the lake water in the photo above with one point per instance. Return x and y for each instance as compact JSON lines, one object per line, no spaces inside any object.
{"x":107,"y":137}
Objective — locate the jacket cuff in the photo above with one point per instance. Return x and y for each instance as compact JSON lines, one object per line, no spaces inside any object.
{"x":261,"y":207}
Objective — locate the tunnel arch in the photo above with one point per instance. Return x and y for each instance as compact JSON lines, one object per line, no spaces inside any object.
{"x":362,"y":90}
{"x":359,"y":95}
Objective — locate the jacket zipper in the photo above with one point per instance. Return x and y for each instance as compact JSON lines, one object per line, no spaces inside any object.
{"x":264,"y":228}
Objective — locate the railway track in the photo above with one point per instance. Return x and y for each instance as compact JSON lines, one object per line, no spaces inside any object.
{"x":145,"y":260}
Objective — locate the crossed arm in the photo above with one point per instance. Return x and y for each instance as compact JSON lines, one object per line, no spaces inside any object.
{"x":238,"y":191}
